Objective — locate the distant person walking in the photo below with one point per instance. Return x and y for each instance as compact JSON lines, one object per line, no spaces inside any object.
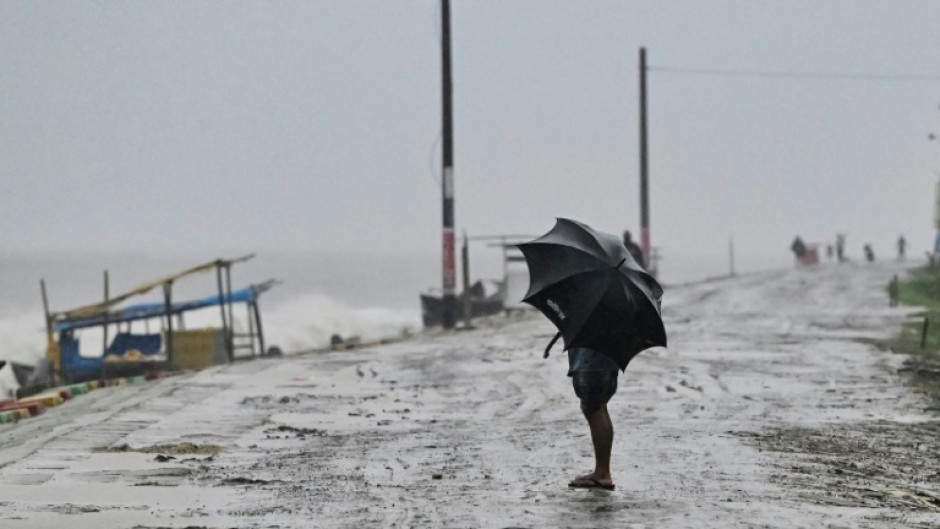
{"x":902,"y":246}
{"x":840,"y":247}
{"x":634,"y":250}
{"x":869,"y":253}
{"x":829,"y":252}
{"x":799,"y":249}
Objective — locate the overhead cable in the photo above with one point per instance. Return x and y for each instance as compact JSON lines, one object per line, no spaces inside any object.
{"x":836,"y":76}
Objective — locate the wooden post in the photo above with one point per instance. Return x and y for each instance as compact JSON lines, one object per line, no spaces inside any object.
{"x":923,"y":336}
{"x":218,"y":276}
{"x":249,"y":317}
{"x":104,"y":327}
{"x":52,"y":348}
{"x":168,"y":311}
{"x":731,"y":256}
{"x":467,"y":297}
{"x":230,"y":336}
{"x":502,"y":241}
{"x":254,"y":307}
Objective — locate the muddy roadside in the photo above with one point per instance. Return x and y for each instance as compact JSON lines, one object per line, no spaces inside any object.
{"x":890,"y":465}
{"x":878,"y":464}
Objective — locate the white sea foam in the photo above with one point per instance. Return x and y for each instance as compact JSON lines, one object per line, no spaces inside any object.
{"x":302,"y":322}
{"x":310,"y":320}
{"x":22,"y":337}
{"x":23,"y":340}
{"x":370,"y":296}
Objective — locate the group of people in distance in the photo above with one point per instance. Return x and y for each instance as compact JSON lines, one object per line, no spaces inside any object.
{"x":801,"y":251}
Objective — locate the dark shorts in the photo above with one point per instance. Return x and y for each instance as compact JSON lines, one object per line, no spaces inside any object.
{"x":594,"y":388}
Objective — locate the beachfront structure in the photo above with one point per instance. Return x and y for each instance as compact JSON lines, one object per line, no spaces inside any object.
{"x":132,"y":351}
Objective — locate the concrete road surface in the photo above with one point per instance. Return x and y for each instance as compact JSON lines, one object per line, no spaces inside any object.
{"x":770,"y":408}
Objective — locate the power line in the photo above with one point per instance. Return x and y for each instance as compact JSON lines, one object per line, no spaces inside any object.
{"x":833,"y":76}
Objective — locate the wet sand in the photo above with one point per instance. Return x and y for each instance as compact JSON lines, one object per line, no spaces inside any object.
{"x":769,"y":409}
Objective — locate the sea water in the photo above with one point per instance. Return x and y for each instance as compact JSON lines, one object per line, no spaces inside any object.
{"x":318,"y":295}
{"x":362,"y":295}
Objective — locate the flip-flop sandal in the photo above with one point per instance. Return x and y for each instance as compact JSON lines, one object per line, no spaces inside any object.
{"x":590,"y":483}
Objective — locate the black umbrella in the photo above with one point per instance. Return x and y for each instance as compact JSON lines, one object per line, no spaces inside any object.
{"x":588,"y":285}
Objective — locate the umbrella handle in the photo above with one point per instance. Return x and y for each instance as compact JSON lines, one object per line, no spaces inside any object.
{"x":551,"y":343}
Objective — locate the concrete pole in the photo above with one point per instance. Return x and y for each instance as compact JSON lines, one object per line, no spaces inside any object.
{"x":449,"y":317}
{"x":644,"y":168}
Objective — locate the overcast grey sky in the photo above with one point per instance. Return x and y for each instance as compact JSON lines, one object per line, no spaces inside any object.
{"x":222,"y":128}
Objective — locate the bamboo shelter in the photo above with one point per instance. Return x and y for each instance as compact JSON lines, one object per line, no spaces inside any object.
{"x":172,"y":346}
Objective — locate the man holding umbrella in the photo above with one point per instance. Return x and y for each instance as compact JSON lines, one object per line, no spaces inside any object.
{"x":594,"y":377}
{"x":607,"y":309}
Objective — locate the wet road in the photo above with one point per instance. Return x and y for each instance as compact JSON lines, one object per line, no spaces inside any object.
{"x":475,"y":429}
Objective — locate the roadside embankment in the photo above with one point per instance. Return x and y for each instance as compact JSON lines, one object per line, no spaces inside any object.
{"x":919,"y":336}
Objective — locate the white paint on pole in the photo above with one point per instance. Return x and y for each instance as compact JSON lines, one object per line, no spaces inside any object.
{"x":936,"y":206}
{"x":448,"y":182}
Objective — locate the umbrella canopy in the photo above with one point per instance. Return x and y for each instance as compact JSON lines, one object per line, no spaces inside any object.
{"x":588,"y":285}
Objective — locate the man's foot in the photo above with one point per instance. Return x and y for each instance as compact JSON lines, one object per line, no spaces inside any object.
{"x":590,"y":482}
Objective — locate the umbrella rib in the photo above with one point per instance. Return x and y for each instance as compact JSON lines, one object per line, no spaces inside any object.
{"x":566,"y":278}
{"x":598,"y":245}
{"x":569,"y":247}
{"x":597,"y":241}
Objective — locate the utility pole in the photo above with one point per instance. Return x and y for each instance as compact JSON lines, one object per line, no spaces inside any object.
{"x":731,"y":256}
{"x":644,"y":168}
{"x":449,"y":316}
{"x":465,"y":268}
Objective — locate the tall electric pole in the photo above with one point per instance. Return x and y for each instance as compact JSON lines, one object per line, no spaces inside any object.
{"x":644,"y":168}
{"x":449,"y":316}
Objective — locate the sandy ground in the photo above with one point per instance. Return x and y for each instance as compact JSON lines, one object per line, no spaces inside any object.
{"x":769,"y":409}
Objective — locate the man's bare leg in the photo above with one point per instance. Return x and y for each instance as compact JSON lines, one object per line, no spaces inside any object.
{"x":602,"y":435}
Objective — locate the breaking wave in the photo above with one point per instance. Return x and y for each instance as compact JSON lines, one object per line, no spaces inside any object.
{"x":22,"y":337}
{"x":300,"y":323}
{"x":310,"y":320}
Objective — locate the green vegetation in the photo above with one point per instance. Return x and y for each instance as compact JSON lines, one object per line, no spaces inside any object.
{"x":921,"y":288}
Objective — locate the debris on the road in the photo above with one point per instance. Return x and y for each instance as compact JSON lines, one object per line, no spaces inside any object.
{"x":488,"y":436}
